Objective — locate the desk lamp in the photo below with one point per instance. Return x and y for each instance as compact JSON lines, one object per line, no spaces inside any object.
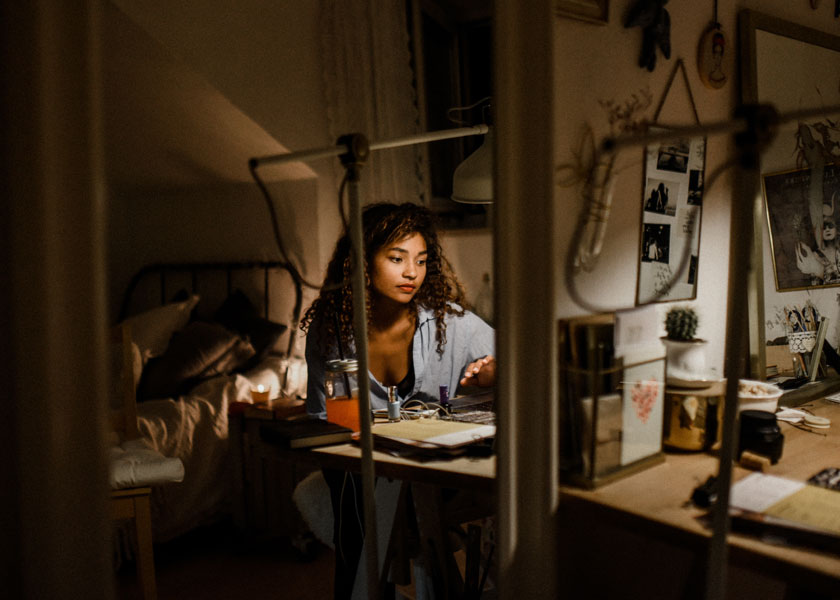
{"x":353,"y":150}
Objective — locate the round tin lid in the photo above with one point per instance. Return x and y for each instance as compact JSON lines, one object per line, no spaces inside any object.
{"x":343,"y":365}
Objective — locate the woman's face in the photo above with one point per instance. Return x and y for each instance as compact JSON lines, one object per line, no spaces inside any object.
{"x":829,"y":230}
{"x":399,"y":269}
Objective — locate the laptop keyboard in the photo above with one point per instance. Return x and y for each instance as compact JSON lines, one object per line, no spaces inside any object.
{"x":486,"y":406}
{"x":481,"y":417}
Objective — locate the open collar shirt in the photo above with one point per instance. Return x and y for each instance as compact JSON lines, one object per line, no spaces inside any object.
{"x":468,"y":338}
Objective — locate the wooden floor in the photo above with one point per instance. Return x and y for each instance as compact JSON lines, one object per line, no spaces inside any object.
{"x":216,"y":563}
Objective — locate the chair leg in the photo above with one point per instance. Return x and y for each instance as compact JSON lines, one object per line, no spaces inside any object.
{"x":145,"y":553}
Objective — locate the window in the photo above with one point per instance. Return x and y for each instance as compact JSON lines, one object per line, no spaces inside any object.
{"x":451,"y":44}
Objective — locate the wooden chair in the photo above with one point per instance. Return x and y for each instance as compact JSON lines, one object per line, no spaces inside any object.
{"x":133,"y":503}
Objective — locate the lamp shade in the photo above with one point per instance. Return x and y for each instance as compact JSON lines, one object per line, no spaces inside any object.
{"x":472,"y":182}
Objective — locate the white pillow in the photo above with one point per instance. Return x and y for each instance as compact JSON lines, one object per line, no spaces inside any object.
{"x":151,"y":330}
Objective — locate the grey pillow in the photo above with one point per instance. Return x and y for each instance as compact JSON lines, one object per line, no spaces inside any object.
{"x":197,"y":352}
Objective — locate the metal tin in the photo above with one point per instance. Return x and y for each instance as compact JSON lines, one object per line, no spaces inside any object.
{"x":693,"y":417}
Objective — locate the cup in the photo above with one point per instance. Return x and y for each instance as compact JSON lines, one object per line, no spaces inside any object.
{"x":259,"y":394}
{"x":802,"y":341}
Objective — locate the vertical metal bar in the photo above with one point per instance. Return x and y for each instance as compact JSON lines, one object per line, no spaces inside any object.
{"x":526,"y":342}
{"x":744,"y":195}
{"x":360,"y":334}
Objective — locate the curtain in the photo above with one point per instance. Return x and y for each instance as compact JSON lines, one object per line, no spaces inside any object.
{"x":369,"y":85}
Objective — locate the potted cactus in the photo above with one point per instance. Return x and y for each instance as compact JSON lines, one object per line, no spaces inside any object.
{"x":684,"y":353}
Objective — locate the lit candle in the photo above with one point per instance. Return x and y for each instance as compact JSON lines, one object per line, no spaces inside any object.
{"x":259,"y":394}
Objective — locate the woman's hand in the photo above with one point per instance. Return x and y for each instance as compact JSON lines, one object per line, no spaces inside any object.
{"x":481,"y":372}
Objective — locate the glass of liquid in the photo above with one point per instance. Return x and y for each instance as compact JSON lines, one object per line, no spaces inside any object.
{"x":342,"y":403}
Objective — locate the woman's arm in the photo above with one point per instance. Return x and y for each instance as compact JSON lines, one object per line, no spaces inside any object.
{"x":481,"y":368}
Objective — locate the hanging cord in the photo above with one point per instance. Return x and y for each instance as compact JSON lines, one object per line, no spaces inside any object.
{"x":597,"y":176}
{"x":571,"y":270}
{"x":272,"y":213}
{"x":587,"y":239}
{"x":295,"y":272}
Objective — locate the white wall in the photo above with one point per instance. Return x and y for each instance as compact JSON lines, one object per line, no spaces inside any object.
{"x":595,"y":63}
{"x":471,"y":255}
{"x":236,"y":81}
{"x":254,"y":63}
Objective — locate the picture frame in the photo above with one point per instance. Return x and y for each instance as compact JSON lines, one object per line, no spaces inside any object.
{"x":591,"y":11}
{"x":798,"y":262}
{"x":793,"y":68}
{"x":671,"y":214}
{"x":612,"y":407}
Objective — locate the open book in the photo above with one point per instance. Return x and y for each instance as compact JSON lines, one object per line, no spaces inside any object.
{"x":431,"y":438}
{"x":784,"y":510}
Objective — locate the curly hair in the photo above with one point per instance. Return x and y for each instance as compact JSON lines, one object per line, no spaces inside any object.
{"x":384,"y":224}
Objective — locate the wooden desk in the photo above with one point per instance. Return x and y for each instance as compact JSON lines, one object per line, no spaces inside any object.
{"x":654,"y":503}
{"x":266,"y":474}
{"x":460,"y":473}
{"x":651,"y":505}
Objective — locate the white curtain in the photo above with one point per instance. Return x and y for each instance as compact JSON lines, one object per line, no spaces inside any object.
{"x":370,"y":90}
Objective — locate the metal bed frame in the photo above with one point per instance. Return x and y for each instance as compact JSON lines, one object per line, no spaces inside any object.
{"x":196,"y":269}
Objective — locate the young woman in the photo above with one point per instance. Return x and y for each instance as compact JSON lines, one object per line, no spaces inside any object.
{"x":419,"y":338}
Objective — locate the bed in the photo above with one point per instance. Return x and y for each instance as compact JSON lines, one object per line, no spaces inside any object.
{"x":204,"y":335}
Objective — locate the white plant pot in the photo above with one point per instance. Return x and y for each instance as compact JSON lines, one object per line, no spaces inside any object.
{"x":685,"y":359}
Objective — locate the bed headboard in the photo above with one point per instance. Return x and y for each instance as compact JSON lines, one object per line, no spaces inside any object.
{"x":273,"y":286}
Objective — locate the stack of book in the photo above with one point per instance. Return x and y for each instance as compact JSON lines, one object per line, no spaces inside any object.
{"x":303,"y":432}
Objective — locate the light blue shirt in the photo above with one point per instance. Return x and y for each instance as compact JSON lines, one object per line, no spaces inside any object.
{"x":468,"y":338}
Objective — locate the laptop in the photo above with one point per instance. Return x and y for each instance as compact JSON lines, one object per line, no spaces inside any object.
{"x":479,"y":407}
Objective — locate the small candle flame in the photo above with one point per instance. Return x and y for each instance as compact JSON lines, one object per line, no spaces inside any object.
{"x":260,"y":388}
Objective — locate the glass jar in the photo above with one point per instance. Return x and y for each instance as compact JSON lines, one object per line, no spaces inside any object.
{"x":342,"y":405}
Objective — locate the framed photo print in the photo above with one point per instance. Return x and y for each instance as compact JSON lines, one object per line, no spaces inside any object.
{"x":803,"y":209}
{"x":642,"y":410}
{"x":671,"y":209}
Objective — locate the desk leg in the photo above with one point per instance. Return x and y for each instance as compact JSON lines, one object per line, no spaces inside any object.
{"x":438,"y":557}
{"x":387,"y":503}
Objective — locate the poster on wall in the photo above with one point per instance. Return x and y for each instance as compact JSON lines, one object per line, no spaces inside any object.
{"x":802,"y":213}
{"x":671,"y":210}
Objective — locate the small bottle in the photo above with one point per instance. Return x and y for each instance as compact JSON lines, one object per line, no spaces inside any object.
{"x":393,"y":404}
{"x":444,"y":397}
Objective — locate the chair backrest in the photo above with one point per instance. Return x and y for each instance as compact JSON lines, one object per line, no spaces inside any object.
{"x":124,"y":410}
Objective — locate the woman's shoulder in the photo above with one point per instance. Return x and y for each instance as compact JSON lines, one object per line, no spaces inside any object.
{"x":455,"y":314}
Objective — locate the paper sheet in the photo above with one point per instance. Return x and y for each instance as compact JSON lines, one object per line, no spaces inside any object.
{"x":789,"y":500}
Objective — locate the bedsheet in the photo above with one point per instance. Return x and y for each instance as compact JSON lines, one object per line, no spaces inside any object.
{"x":194,"y":429}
